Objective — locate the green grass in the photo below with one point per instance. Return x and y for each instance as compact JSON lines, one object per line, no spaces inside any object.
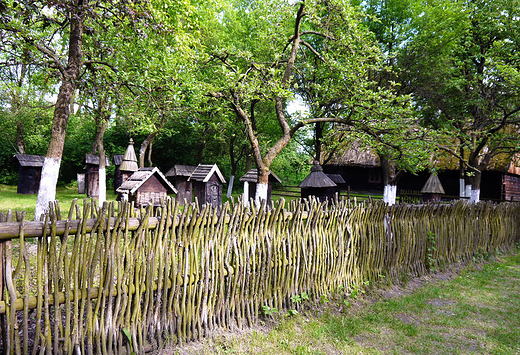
{"x":475,"y":313}
{"x":10,"y":200}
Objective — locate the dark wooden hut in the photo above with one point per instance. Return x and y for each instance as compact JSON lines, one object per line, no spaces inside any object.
{"x":147,"y":186}
{"x":432,"y":191}
{"x":318,"y":184}
{"x":178,"y":175}
{"x":250,"y":180}
{"x":128,"y":165}
{"x":207,"y":184}
{"x":92,"y":174}
{"x":29,"y":173}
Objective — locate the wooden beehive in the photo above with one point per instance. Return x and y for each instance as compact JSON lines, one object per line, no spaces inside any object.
{"x":147,"y":186}
{"x":178,"y":175}
{"x":207,"y":184}
{"x":29,"y":173}
{"x":318,"y":184}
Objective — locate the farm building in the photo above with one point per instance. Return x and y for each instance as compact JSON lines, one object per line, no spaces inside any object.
{"x":207,"y":183}
{"x":146,"y":186}
{"x":362,"y":172}
{"x":250,"y":180}
{"x":29,"y":173}
{"x":318,"y":184}
{"x":92,"y":174}
{"x":178,"y":175}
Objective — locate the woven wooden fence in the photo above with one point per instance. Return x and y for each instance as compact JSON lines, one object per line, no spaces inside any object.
{"x":103,"y":282}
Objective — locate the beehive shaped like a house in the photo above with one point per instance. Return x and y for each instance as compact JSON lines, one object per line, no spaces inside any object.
{"x":318,"y":184}
{"x":432,"y":191}
{"x":92,"y":174}
{"x":178,"y":175}
{"x":29,"y":173}
{"x":147,"y":186}
{"x":207,"y":184}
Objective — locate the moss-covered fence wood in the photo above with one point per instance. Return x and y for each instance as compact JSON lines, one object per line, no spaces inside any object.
{"x":98,"y":281}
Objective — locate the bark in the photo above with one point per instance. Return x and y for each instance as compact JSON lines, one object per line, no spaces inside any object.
{"x":101,"y":124}
{"x":19,"y":138}
{"x":390,"y":179}
{"x":51,"y":165}
{"x":318,"y":136}
{"x":144,"y":146}
{"x":462,"y":173}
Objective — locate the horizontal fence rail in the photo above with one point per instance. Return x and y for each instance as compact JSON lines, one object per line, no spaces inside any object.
{"x":106,"y":282}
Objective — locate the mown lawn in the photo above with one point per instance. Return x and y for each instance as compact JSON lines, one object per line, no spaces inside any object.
{"x":474,"y":312}
{"x":10,"y":200}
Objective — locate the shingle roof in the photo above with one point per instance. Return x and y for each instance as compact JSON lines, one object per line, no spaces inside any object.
{"x":118,"y":159}
{"x":137,"y":179}
{"x":337,"y":178}
{"x":317,"y":178}
{"x":252,"y":176}
{"x":181,"y":170}
{"x":93,"y":159}
{"x":30,"y":160}
{"x":433,"y":185}
{"x":203,"y":173}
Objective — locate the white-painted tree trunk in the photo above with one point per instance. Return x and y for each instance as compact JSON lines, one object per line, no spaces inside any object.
{"x":261,"y":193}
{"x":230,"y":186}
{"x":245,"y":196}
{"x":468,"y":191}
{"x":102,"y":186}
{"x":47,"y":190}
{"x":475,"y":196}
{"x":390,"y":194}
{"x":462,"y":187}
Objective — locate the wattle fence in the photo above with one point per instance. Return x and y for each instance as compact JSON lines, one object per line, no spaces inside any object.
{"x":101,"y":282}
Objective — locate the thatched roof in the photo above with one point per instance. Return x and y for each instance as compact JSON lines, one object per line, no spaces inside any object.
{"x":27,"y":160}
{"x":129,"y":158}
{"x":93,"y":159}
{"x":317,"y":178}
{"x":433,"y":186}
{"x":355,"y":155}
{"x":181,"y":170}
{"x":204,"y":172}
{"x":252,"y":176}
{"x":500,"y":162}
{"x":137,"y":179}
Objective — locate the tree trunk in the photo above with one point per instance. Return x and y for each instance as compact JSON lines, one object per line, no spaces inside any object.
{"x":318,"y":136}
{"x":52,"y":162}
{"x":101,"y":126}
{"x":390,"y":178}
{"x":462,"y":173}
{"x":262,"y":186}
{"x":475,"y":187}
{"x":144,"y":147}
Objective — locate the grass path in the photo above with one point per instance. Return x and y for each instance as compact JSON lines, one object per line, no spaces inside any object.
{"x":473,"y":310}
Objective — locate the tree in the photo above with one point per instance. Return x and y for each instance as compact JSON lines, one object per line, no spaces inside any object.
{"x":273,"y":49}
{"x":466,"y":78}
